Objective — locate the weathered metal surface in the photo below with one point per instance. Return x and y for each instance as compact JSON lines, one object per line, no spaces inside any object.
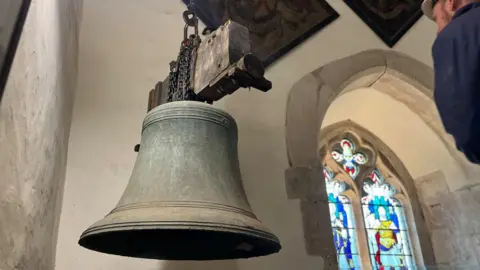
{"x":218,"y":51}
{"x":185,"y":199}
{"x":152,"y":99}
{"x":207,"y":70}
{"x":220,"y":65}
{"x":158,"y":95}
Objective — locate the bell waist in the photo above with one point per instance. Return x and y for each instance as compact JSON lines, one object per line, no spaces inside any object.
{"x":189,"y":110}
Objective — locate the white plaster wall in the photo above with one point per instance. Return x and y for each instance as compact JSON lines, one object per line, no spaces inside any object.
{"x":123,"y":52}
{"x":417,"y":146}
{"x":34,"y":128}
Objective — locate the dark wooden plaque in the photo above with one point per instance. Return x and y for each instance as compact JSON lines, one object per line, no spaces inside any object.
{"x":276,"y":26}
{"x":389,"y":19}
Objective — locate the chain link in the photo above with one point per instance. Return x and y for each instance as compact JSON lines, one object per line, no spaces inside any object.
{"x":180,"y":86}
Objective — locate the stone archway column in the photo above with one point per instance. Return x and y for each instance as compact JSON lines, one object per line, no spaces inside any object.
{"x":304,"y":177}
{"x":307,"y":105}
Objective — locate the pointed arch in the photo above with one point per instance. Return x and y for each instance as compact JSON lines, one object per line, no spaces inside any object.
{"x":402,"y":78}
{"x":311,"y":96}
{"x":378,"y":157}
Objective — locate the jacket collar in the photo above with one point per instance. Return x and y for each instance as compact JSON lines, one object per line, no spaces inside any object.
{"x":465,"y":9}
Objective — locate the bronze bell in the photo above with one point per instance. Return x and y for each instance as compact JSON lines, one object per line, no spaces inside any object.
{"x":185,"y":199}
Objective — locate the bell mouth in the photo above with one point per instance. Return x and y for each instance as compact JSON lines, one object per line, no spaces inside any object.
{"x":180,"y":231}
{"x":186,"y":241}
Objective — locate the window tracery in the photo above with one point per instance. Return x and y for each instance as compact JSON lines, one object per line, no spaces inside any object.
{"x":349,"y":157}
{"x":383,"y":224}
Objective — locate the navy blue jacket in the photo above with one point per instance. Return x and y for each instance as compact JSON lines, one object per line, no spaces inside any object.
{"x":456,"y":57}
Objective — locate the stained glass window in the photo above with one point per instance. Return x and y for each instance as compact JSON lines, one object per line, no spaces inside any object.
{"x":342,"y":220}
{"x":349,"y":157}
{"x":386,"y":227}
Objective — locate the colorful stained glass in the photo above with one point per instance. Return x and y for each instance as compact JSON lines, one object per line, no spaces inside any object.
{"x":342,"y":221}
{"x":387,"y":232}
{"x":349,"y":158}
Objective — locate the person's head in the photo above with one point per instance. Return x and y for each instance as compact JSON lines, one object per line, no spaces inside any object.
{"x":442,"y":11}
{"x":382,"y":213}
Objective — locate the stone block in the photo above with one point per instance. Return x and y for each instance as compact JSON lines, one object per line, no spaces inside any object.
{"x":305,"y":182}
{"x":465,"y":255}
{"x":441,"y":208}
{"x":444,"y":215}
{"x":325,"y":97}
{"x":415,"y":71}
{"x":437,"y":267}
{"x":300,"y":119}
{"x":317,"y":229}
{"x":432,"y":187}
{"x":364,"y":79}
{"x":476,"y":245}
{"x":340,"y":73}
{"x":442,"y":246}
{"x":330,"y":263}
{"x":468,"y":201}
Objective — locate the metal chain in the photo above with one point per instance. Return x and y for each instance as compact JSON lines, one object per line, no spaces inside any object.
{"x":180,"y":86}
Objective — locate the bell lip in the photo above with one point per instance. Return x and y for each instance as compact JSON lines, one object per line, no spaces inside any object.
{"x":214,"y":226}
{"x":270,"y":241}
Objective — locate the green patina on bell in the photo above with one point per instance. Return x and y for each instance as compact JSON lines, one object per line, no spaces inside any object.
{"x":185,"y":199}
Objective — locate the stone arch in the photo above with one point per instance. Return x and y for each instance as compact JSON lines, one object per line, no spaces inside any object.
{"x":312,"y":95}
{"x":307,"y":105}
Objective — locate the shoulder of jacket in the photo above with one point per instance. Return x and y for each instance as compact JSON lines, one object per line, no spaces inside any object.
{"x":446,"y":36}
{"x":470,"y":19}
{"x":451,"y":31}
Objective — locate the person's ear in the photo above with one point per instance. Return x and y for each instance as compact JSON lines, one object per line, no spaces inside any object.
{"x":450,"y":6}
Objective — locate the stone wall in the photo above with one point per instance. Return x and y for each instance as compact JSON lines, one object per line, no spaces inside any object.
{"x":453,"y":220}
{"x":35,"y":116}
